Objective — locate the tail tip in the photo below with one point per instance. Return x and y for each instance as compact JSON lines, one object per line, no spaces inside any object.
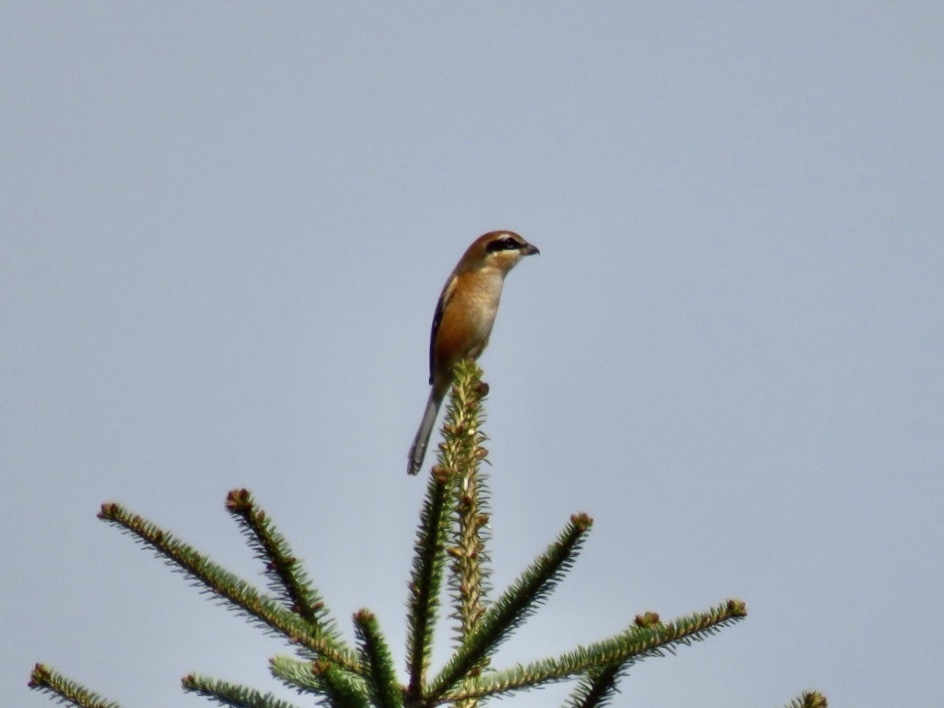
{"x":414,"y":461}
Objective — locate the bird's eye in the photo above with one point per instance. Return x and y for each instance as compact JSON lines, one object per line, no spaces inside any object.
{"x":508,"y":243}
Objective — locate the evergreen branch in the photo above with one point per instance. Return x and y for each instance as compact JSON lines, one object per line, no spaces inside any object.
{"x":230,"y":694}
{"x":65,"y":690}
{"x":426,"y":578}
{"x":809,"y":699}
{"x":385,"y":690}
{"x":461,"y":454}
{"x":600,"y":684}
{"x":597,"y":688}
{"x":340,"y":687}
{"x":625,"y":649}
{"x":287,"y":578}
{"x":221,"y":582}
{"x":297,"y":674}
{"x":515,"y":605}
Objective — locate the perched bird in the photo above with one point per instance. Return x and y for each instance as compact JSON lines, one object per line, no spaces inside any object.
{"x":464,"y":317}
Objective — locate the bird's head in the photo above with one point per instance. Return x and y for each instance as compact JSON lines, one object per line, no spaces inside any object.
{"x":497,"y":249}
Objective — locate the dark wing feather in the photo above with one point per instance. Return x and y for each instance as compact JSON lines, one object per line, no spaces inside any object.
{"x":444,"y":299}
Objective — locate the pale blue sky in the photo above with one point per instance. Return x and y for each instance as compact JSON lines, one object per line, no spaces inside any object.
{"x":224,"y":229}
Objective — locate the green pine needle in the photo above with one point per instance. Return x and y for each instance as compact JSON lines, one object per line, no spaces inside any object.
{"x":809,"y":699}
{"x":287,"y":578}
{"x":378,"y":669}
{"x":241,"y":595}
{"x":65,"y":690}
{"x":230,"y":694}
{"x":426,"y":579}
{"x":515,"y":605}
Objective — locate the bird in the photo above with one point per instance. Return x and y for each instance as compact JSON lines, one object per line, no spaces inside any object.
{"x":463,"y":320}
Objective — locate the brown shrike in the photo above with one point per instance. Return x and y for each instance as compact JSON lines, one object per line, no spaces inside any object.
{"x":464,"y":317}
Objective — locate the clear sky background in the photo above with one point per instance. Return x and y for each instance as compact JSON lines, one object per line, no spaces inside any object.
{"x":224,"y":230}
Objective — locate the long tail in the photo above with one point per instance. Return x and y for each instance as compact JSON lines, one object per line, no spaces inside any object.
{"x":421,"y":441}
